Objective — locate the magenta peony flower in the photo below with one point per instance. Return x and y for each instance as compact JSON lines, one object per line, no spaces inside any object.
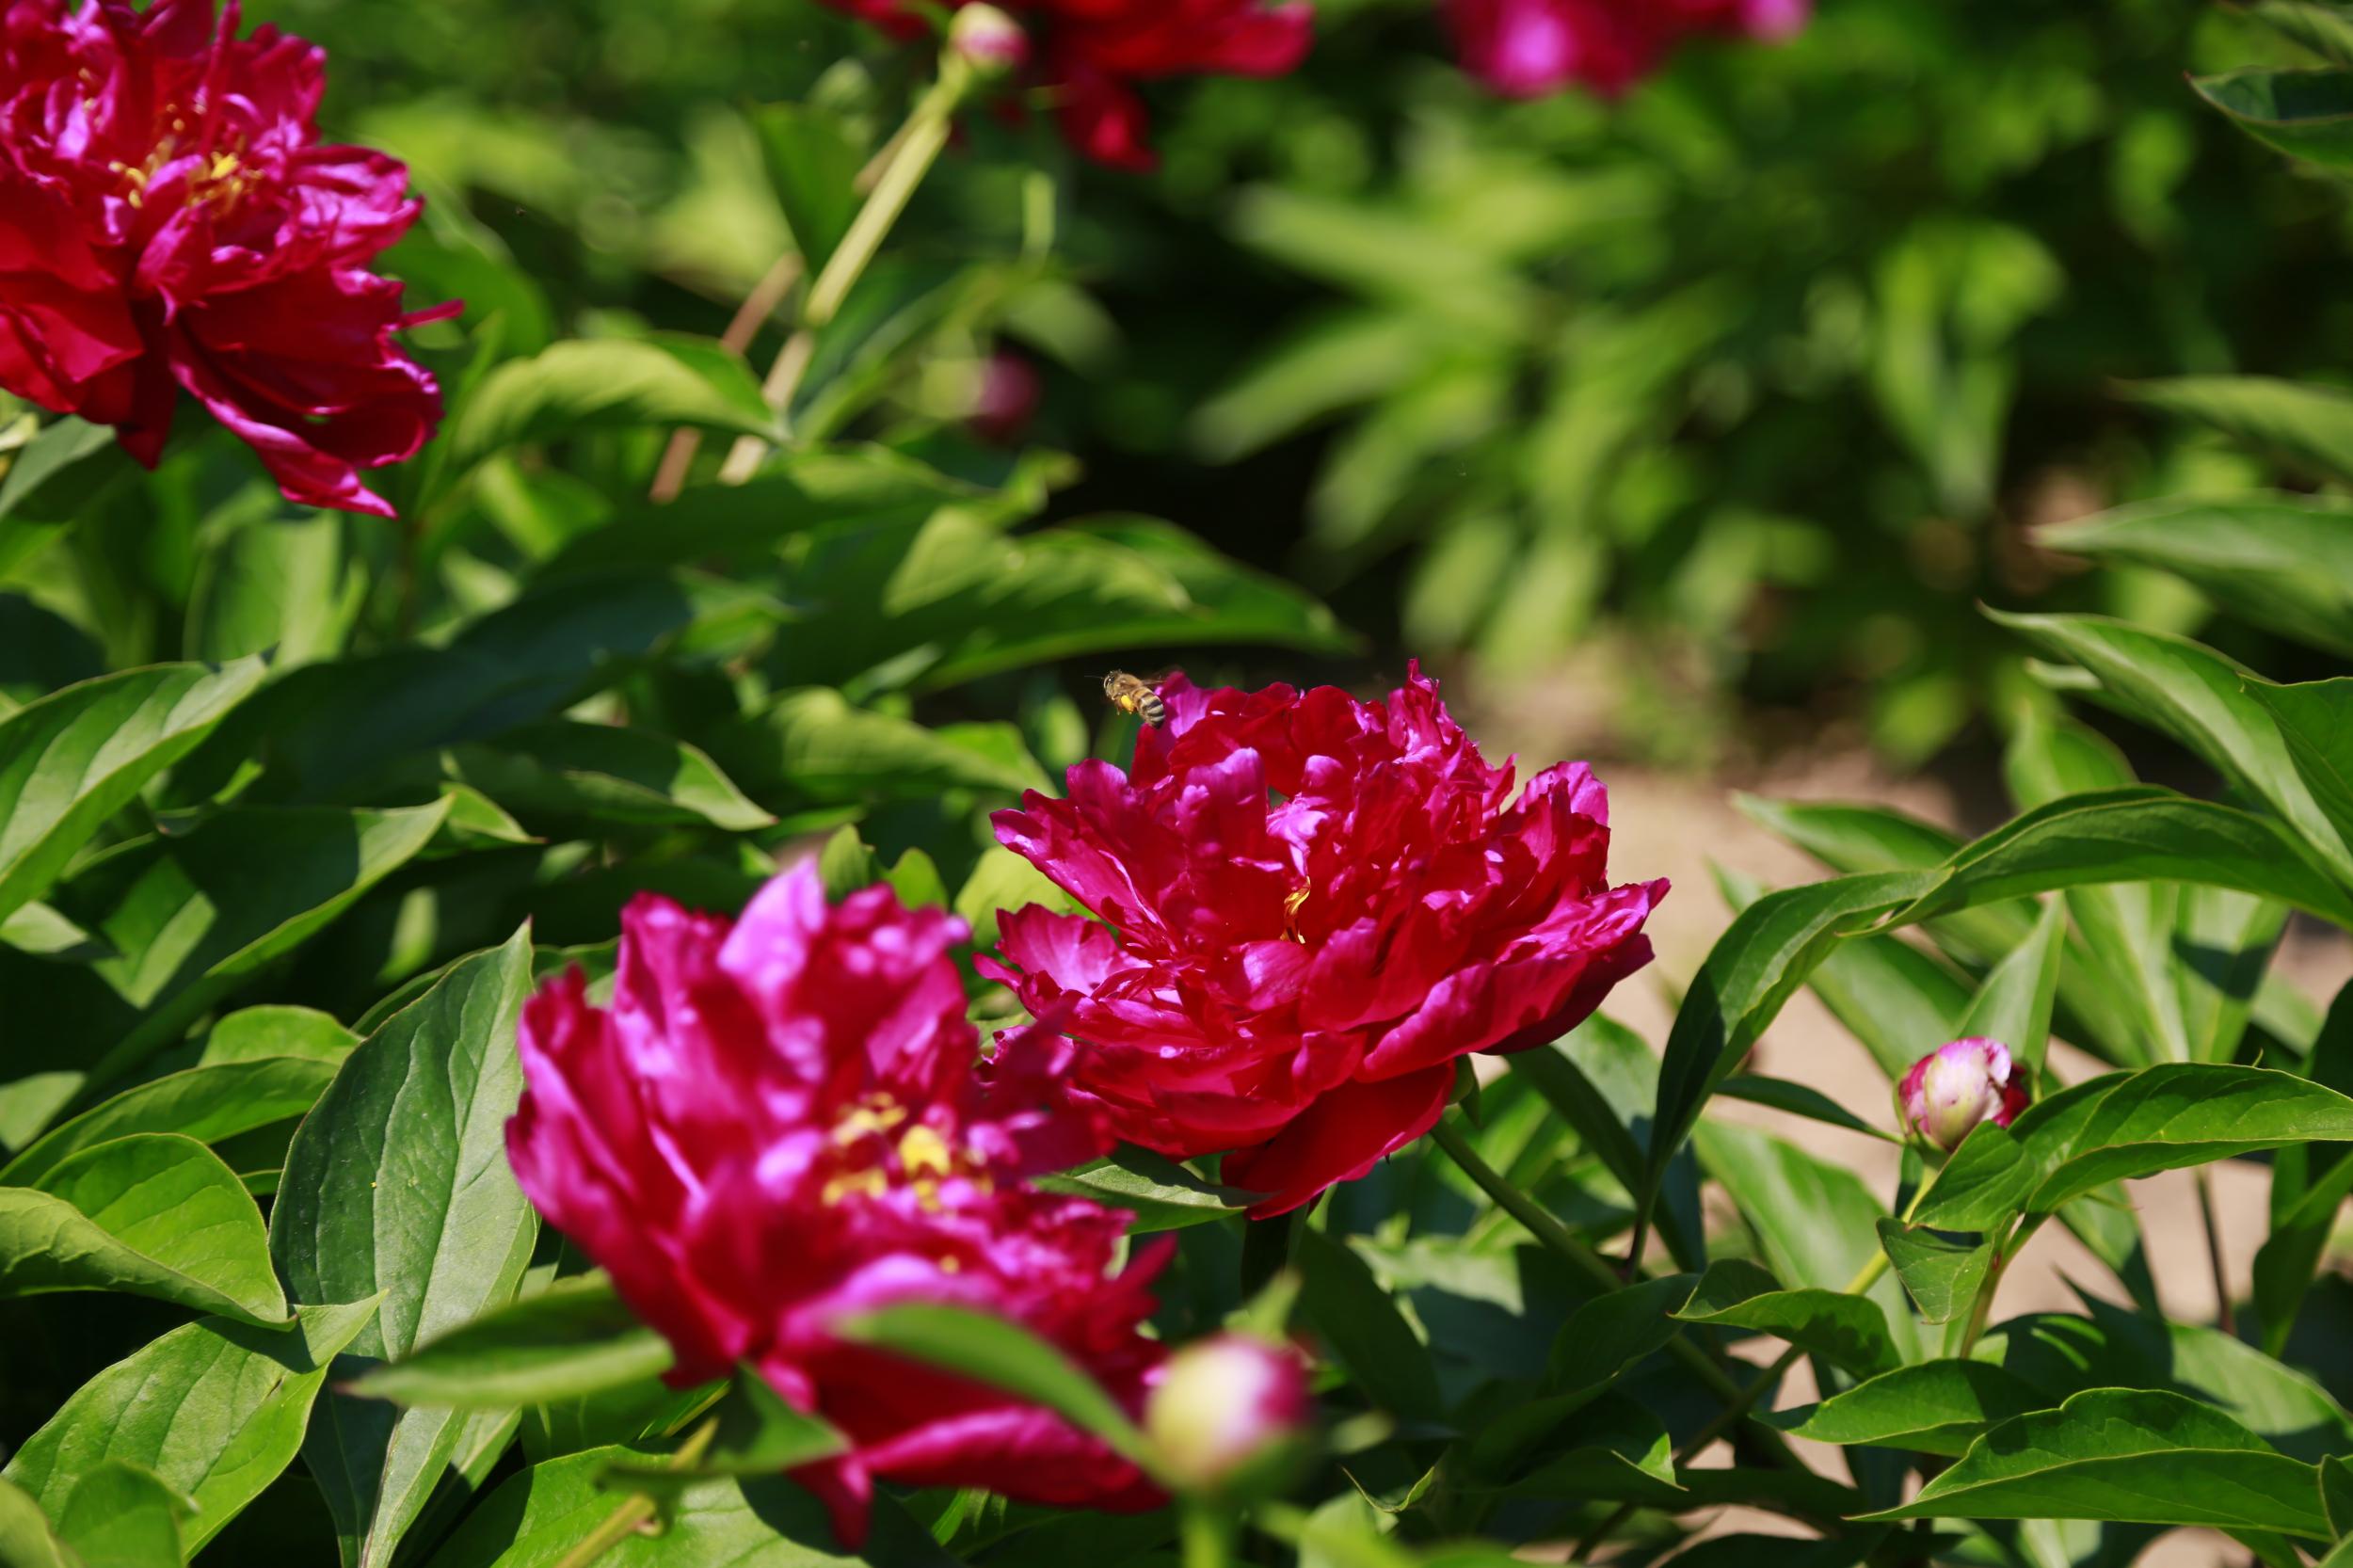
{"x":1314,"y":906}
{"x":1528,"y":48}
{"x":1223,"y":1404}
{"x":1097,"y":50}
{"x":787,"y":1119}
{"x":168,"y":220}
{"x":1958,"y":1085}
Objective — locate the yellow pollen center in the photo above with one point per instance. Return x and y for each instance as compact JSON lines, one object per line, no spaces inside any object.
{"x":923,"y":1158}
{"x":1292,"y":906}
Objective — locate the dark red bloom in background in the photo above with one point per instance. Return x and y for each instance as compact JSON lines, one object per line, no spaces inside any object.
{"x":168,"y":220}
{"x":1093,"y":52}
{"x":1528,"y":48}
{"x":1314,"y":906}
{"x":785,"y":1120}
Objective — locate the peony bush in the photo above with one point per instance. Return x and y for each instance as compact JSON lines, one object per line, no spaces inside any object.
{"x":599,"y":998}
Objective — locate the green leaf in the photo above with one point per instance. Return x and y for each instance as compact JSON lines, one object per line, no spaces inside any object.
{"x":1610,"y":1334}
{"x":193,"y":914}
{"x":74,"y":759}
{"x":812,"y":165}
{"x":2306,"y":426}
{"x":574,"y":1339}
{"x":206,"y":1103}
{"x":1002,"y":1355}
{"x":154,"y":1214}
{"x":398,"y":1182}
{"x":1367,"y":1333}
{"x":537,"y":1518}
{"x":2336,"y":1494}
{"x":53,"y":480}
{"x":2014,"y":1005}
{"x":122,"y":1515}
{"x":602,"y":384}
{"x":816,"y":744}
{"x":1161,"y":1193}
{"x":2125,"y":1126}
{"x":2291,"y":1253}
{"x":1941,"y":1277}
{"x":215,"y":1409}
{"x":288,"y":586}
{"x":2279,"y":561}
{"x":980,"y":600}
{"x":2325,"y":29}
{"x":1798,"y":1099}
{"x":1849,"y":1331}
{"x":1814,"y":1220}
{"x":1753,"y":968}
{"x":1938,"y":1407}
{"x":1620,"y":1451}
{"x":2202,"y":700}
{"x":25,"y":1539}
{"x":2312,"y":719}
{"x":604,"y":773}
{"x":2305,"y":114}
{"x":2130,"y":1456}
{"x":252,"y":1033}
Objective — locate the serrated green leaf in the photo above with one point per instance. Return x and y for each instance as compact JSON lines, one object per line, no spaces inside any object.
{"x":398,"y":1182}
{"x":2127,"y":1455}
{"x":215,"y":1409}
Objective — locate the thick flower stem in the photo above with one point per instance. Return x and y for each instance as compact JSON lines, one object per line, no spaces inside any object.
{"x":638,"y":1512}
{"x":913,"y":152}
{"x":1547,"y":1228}
{"x":1208,"y":1535}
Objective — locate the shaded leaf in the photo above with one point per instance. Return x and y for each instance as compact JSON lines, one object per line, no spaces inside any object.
{"x":574,"y":1339}
{"x":1849,"y":1331}
{"x":1935,"y":1407}
{"x":1941,"y":1276}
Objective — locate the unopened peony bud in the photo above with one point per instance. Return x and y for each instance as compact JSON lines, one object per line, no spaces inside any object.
{"x":991,"y":41}
{"x":1223,"y":1404}
{"x":1958,"y":1085}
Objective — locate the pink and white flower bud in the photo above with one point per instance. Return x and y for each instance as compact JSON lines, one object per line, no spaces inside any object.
{"x":1958,"y":1085}
{"x":990,"y":40}
{"x":1220,"y":1405}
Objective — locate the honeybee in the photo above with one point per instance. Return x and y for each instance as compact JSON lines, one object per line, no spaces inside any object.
{"x":1131,"y":694}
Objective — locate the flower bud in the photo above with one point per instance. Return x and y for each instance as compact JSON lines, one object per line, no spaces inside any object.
{"x":1958,"y":1085}
{"x":988,"y":39}
{"x":1222,"y":1405}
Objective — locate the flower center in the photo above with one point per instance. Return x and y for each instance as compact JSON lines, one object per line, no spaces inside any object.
{"x":873,"y":1162}
{"x":223,"y":177}
{"x":1292,"y":906}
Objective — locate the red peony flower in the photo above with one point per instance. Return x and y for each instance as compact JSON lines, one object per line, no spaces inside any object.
{"x":1097,"y":50}
{"x":784,"y":1120}
{"x":168,"y":220}
{"x":1528,"y":48}
{"x":1959,"y":1084}
{"x":1314,"y":906}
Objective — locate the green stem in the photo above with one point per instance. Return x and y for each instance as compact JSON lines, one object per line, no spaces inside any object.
{"x":1745,"y":1401}
{"x":908,"y":159}
{"x":1546,"y":1227}
{"x":1981,"y":1310}
{"x":638,"y":1512}
{"x":2223,"y":1315}
{"x":1208,"y":1535}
